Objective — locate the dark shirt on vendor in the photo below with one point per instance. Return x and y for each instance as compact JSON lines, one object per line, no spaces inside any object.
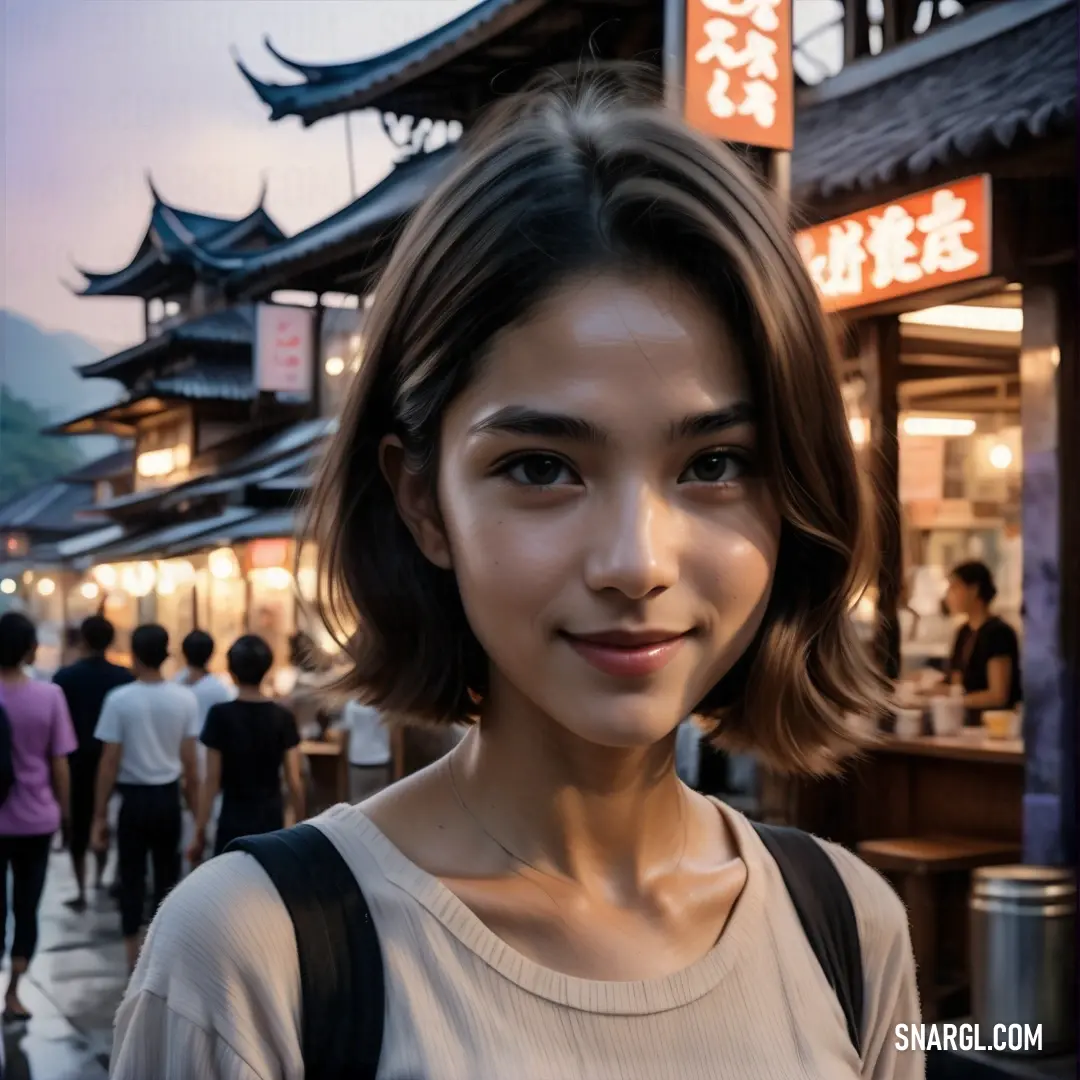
{"x":252,"y":738}
{"x":85,"y":684}
{"x":971,"y":656}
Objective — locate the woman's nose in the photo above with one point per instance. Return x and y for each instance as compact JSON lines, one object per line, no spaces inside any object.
{"x":633,"y":545}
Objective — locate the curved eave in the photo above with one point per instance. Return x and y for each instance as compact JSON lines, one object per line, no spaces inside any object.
{"x":331,"y":89}
{"x":119,"y":419}
{"x":178,"y":238}
{"x":369,"y":216}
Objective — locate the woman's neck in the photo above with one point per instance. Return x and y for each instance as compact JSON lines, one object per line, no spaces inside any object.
{"x":603,"y":816}
{"x":977,"y":616}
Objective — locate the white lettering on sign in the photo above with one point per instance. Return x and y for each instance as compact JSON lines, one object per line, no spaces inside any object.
{"x":945,"y":227}
{"x":892,"y":248}
{"x":754,"y":60}
{"x":899,"y":247}
{"x":762,"y":13}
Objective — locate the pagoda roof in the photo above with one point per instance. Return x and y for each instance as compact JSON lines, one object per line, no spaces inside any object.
{"x":982,"y":84}
{"x":173,"y":248}
{"x":199,"y":382}
{"x":118,"y":463}
{"x":47,"y":510}
{"x":230,"y":331}
{"x":384,"y":80}
{"x":334,"y":249}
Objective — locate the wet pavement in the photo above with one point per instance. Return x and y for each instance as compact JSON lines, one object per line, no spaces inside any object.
{"x":73,"y":988}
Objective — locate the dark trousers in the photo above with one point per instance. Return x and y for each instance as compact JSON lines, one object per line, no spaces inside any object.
{"x":149,"y":825}
{"x":83,"y":777}
{"x":28,"y":857}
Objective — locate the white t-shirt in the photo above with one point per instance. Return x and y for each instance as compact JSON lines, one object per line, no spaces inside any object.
{"x":149,"y":721}
{"x":216,"y":993}
{"x":208,"y":691}
{"x":369,"y":740}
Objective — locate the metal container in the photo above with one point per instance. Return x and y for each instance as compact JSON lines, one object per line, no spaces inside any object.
{"x":1023,"y":951}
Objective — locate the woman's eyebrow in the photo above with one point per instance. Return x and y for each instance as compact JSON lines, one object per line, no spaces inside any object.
{"x":522,"y":420}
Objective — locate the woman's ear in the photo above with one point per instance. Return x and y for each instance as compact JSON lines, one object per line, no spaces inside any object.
{"x":415,"y":499}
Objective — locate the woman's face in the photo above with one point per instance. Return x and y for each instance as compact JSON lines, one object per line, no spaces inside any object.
{"x":959,"y":597}
{"x":602,"y":508}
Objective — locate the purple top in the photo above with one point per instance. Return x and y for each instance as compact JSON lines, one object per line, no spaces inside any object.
{"x":40,"y":731}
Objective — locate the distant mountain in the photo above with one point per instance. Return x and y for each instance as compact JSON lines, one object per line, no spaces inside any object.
{"x":29,"y":459}
{"x":38,"y":368}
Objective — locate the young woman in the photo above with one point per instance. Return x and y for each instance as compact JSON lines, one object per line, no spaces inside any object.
{"x":37,"y":804}
{"x":248,"y":743}
{"x":594,"y":476}
{"x":985,"y":658}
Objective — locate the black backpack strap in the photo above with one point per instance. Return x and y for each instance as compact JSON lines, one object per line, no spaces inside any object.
{"x":826,"y":913}
{"x":341,"y":970}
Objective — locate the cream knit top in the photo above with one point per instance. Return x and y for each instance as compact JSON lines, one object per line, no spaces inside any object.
{"x":216,"y":995}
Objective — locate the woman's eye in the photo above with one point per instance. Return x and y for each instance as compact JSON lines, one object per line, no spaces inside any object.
{"x":539,"y":470}
{"x":715,"y":467}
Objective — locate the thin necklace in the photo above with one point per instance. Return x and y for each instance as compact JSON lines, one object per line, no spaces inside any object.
{"x":480,"y":825}
{"x":505,"y":850}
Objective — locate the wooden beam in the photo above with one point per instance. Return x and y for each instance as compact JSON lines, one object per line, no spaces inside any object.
{"x":931,"y":365}
{"x":879,"y":341}
{"x":1067,"y":288}
{"x":856,"y":30}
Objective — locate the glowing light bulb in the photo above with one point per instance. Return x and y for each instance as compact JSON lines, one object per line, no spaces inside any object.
{"x":8,"y":586}
{"x":335,"y":366}
{"x":46,"y":587}
{"x":1001,"y":457}
{"x":222,"y":563}
{"x":105,"y":575}
{"x":89,"y":590}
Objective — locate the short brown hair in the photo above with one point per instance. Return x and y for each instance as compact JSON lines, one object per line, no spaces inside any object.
{"x":590,"y":174}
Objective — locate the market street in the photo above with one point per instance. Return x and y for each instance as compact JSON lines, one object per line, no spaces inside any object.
{"x":73,"y":987}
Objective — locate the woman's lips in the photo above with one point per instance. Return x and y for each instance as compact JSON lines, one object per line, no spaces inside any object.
{"x":627,"y":661}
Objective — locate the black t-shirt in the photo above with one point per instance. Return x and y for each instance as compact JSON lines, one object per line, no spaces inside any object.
{"x":973,"y":651}
{"x":85,"y":684}
{"x":252,"y":737}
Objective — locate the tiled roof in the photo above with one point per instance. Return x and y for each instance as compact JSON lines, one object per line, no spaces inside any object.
{"x":978,"y":84}
{"x":275,"y":524}
{"x":48,"y":509}
{"x":369,"y":216}
{"x":103,"y":468}
{"x":329,"y":89}
{"x":179,"y":238}
{"x":177,"y":536}
{"x":231,"y":328}
{"x":205,"y":382}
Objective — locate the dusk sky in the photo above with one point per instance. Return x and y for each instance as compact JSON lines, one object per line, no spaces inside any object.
{"x":97,"y":92}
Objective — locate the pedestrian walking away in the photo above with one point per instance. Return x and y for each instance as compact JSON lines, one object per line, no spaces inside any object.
{"x":85,"y":684}
{"x":250,"y":742}
{"x":148,"y":731}
{"x":368,"y":749}
{"x":37,"y":803}
{"x":209,"y":690}
{"x":595,"y":476}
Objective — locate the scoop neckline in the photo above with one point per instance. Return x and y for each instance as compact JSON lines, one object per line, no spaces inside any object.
{"x":636,"y":997}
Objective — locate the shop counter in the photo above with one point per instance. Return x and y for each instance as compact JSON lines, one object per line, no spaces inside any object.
{"x":328,"y":773}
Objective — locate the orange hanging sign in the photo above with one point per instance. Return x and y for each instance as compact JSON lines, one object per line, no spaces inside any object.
{"x":919,"y":242}
{"x":740,"y":84}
